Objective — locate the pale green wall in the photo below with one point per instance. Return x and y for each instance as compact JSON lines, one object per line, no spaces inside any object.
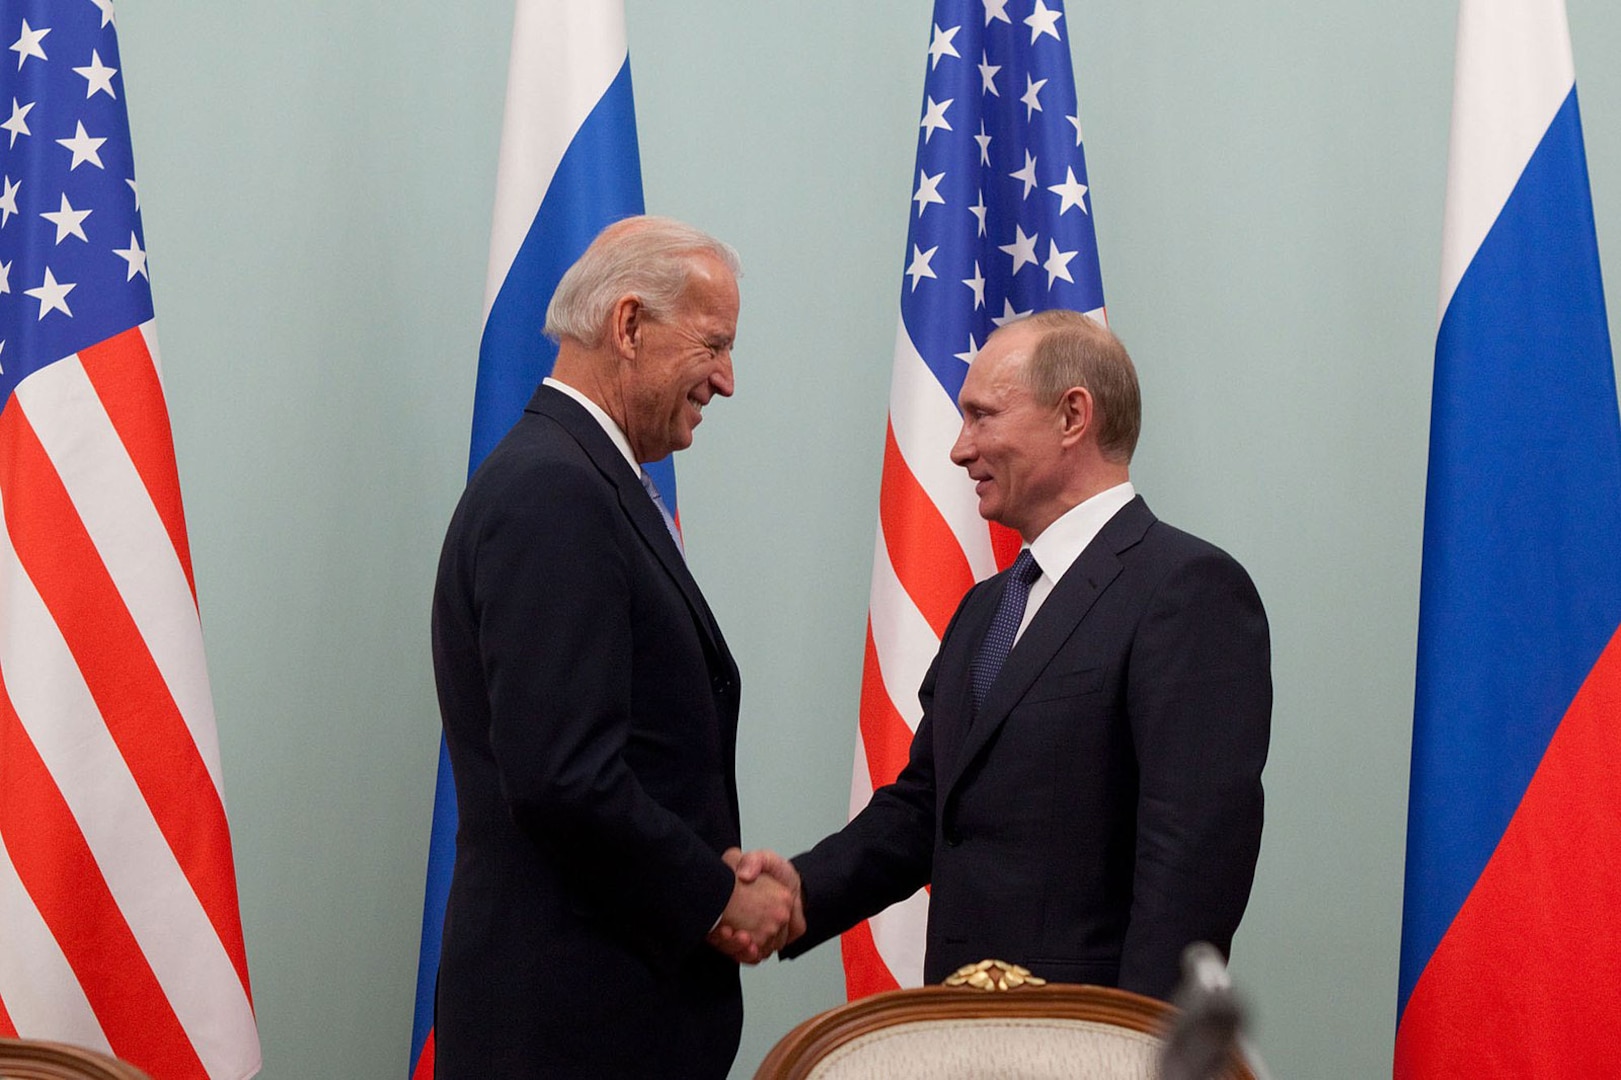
{"x":317,"y":182}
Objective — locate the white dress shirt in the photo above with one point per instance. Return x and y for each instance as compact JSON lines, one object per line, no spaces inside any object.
{"x":1062,"y":542}
{"x":607,"y":422}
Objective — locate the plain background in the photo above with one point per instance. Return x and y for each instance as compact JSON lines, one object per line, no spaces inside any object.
{"x":317,"y":180}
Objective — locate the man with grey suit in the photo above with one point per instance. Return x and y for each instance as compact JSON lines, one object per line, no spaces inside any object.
{"x":1083,"y":793}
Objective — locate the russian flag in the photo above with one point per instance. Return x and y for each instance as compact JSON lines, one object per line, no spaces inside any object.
{"x":569,"y":167}
{"x":1511,"y":932}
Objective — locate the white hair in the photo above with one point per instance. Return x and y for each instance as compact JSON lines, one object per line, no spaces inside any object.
{"x":644,"y":256}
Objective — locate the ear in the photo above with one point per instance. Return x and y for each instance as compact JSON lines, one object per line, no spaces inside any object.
{"x":1076,"y":413}
{"x":625,"y":321}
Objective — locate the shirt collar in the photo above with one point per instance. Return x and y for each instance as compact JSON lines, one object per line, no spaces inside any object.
{"x":614,"y":431}
{"x":1062,"y":542}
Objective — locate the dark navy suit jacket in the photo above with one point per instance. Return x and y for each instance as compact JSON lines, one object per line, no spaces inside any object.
{"x":1104,"y":808}
{"x":590,"y":711}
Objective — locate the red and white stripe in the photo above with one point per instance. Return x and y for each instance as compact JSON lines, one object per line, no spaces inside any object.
{"x":119,"y":923}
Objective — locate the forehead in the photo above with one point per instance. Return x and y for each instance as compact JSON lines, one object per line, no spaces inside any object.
{"x":997,"y":371}
{"x":711,"y":290}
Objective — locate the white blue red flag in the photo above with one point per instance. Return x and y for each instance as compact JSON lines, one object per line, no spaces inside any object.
{"x":1510,"y":932}
{"x":569,"y":167}
{"x":119,"y":924}
{"x":1001,"y":225}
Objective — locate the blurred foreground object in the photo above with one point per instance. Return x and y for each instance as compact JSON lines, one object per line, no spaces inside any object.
{"x":1208,"y":1030}
{"x":32,"y":1059}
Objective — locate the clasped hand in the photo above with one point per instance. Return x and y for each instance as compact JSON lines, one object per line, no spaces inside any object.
{"x":766,"y":910}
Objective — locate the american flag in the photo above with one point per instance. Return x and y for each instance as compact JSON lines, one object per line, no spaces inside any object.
{"x":119,"y":924}
{"x":1001,"y":226}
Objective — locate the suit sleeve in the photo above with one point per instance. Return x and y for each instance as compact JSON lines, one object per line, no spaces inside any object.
{"x":553,"y":598}
{"x":1199,"y":699}
{"x":881,"y":857}
{"x":886,"y":852}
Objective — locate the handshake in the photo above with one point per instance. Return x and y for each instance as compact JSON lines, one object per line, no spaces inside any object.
{"x":766,"y":911}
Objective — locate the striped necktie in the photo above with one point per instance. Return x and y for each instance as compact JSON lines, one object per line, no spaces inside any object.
{"x":664,"y":512}
{"x":999,"y":638}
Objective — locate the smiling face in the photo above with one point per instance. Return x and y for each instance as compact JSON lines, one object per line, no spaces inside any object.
{"x":1011,"y":445}
{"x":681,"y":362}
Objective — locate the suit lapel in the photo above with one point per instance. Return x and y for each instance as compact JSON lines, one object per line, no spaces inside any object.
{"x":638,"y":507}
{"x":953,"y":704}
{"x":1065,"y":608}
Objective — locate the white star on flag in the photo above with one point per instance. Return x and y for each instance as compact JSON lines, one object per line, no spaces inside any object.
{"x":85,"y":148}
{"x":978,"y":210}
{"x":1057,"y":264}
{"x":934,"y":116}
{"x":1075,"y":122}
{"x":52,"y":295}
{"x":928,"y":190}
{"x":68,"y":221}
{"x":1032,"y":98}
{"x":27,"y":44}
{"x":996,"y":9}
{"x":984,"y":142}
{"x":106,"y":7}
{"x":18,"y":123}
{"x":1027,"y":174}
{"x":1008,"y":314}
{"x":1023,"y":248}
{"x":98,"y":76}
{"x":941,"y":45}
{"x":1070,"y":192}
{"x":8,"y":200}
{"x":987,"y":74}
{"x":973,"y":351}
{"x":1043,"y":21}
{"x":5,"y":277}
{"x":977,"y":283}
{"x":920,"y":265}
{"x":134,"y":256}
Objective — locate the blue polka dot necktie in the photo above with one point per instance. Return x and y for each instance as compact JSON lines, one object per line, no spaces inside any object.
{"x":664,"y":512}
{"x":1004,"y":627}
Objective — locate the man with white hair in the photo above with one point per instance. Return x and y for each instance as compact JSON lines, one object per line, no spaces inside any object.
{"x":590,"y":703}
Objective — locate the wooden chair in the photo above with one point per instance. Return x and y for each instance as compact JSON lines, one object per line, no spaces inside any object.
{"x":32,"y":1059}
{"x":996,"y":1021}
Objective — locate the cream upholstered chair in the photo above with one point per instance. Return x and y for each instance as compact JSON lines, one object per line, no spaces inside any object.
{"x":30,"y":1059}
{"x":996,"y":1022}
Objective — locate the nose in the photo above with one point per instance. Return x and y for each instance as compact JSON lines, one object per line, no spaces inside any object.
{"x":962,"y":451}
{"x":722,"y":379}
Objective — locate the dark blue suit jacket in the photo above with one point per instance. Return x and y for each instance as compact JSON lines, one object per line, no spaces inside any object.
{"x":1104,"y":809}
{"x":590,"y":711}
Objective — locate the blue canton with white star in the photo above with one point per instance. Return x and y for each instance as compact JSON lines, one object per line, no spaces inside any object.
{"x":1001,"y":214}
{"x":72,"y":252}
